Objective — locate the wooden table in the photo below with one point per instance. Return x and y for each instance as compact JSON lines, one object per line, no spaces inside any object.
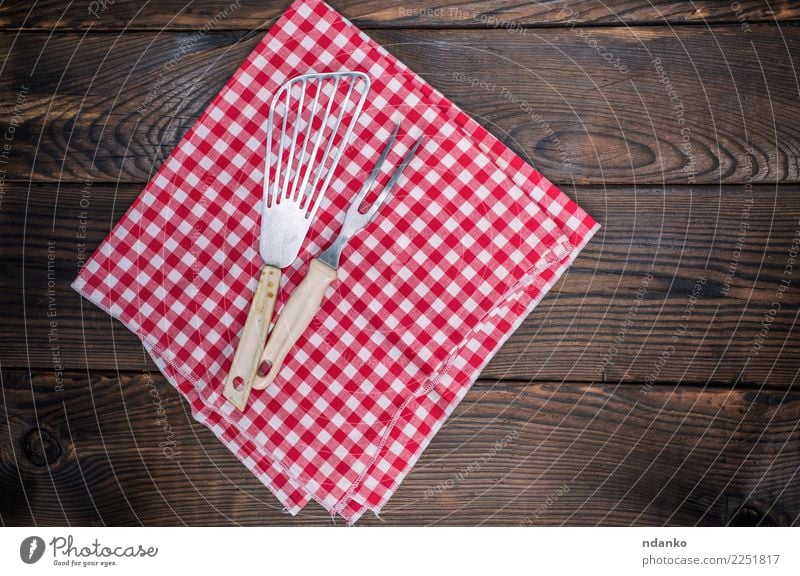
{"x":654,"y":385}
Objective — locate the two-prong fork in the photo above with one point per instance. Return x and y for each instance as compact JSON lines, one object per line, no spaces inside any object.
{"x":307,"y":298}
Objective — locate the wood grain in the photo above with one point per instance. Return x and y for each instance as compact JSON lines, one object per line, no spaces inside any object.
{"x":108,"y":105}
{"x":592,"y":327}
{"x":94,"y":454}
{"x":627,"y":400}
{"x":181,"y":14}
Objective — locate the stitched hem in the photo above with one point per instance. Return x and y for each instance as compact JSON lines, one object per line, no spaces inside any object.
{"x":529,"y":278}
{"x":162,"y":357}
{"x":423,"y":445}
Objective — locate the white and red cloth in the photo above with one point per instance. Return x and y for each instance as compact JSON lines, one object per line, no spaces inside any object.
{"x":427,"y":293}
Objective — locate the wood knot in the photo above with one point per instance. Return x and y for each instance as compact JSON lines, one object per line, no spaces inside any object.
{"x":751,"y":515}
{"x":41,"y":447}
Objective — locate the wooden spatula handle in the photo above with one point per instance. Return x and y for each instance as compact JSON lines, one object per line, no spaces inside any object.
{"x":295,"y":317}
{"x":251,"y":343}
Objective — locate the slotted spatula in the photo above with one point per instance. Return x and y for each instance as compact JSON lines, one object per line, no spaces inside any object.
{"x":313,"y":117}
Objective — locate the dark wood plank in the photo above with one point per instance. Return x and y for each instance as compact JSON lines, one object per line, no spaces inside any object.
{"x":91,"y":454}
{"x":549,"y":94}
{"x":617,"y":315}
{"x":508,"y":14}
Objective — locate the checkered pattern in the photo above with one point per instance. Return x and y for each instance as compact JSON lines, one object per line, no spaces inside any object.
{"x":426,"y":294}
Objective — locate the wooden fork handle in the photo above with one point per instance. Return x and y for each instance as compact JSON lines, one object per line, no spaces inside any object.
{"x":295,"y":317}
{"x":245,"y":361}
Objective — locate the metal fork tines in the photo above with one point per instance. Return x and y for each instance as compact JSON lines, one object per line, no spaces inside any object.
{"x":355,"y":219}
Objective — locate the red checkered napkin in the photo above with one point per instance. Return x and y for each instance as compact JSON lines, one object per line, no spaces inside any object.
{"x":427,"y":293}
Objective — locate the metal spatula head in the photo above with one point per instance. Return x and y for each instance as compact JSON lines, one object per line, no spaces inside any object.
{"x":309,"y":126}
